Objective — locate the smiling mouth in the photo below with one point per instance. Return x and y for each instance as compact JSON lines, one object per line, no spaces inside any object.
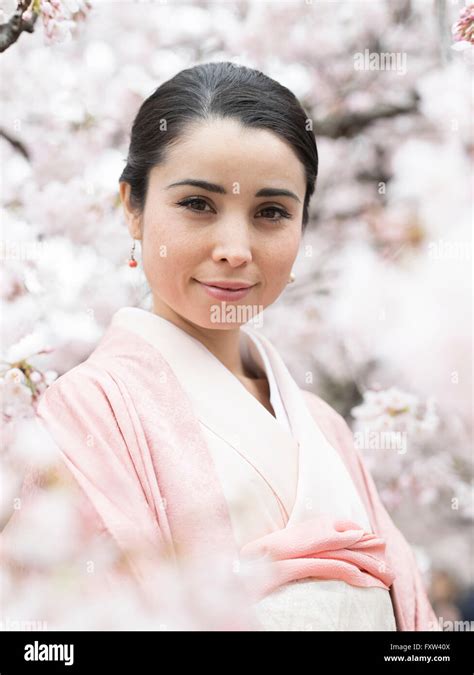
{"x":226,"y":288}
{"x":227,"y":285}
{"x":224,"y":293}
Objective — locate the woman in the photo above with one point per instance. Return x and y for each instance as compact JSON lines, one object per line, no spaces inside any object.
{"x":199,"y":440}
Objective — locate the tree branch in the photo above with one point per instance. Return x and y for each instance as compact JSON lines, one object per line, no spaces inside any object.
{"x":11,"y":30}
{"x":15,"y":143}
{"x":351,"y":123}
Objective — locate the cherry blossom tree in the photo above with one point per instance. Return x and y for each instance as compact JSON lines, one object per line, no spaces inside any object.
{"x":378,"y":322}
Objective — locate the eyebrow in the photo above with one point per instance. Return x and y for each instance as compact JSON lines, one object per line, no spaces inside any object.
{"x":212,"y":187}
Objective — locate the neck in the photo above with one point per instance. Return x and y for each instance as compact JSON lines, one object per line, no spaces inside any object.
{"x":223,"y":344}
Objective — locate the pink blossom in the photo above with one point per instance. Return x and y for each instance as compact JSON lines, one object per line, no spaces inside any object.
{"x":463,"y":29}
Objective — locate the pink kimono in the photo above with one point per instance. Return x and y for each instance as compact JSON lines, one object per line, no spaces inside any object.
{"x":130,"y":436}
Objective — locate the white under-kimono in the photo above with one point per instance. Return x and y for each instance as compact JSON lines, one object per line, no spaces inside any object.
{"x":260,"y":462}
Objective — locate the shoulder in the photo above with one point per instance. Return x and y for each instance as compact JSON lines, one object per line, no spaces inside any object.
{"x":86,"y":416}
{"x":321,"y":409}
{"x":68,"y":380}
{"x":83,"y":387}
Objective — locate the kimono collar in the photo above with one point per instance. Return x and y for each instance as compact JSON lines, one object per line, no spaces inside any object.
{"x":304,"y":470}
{"x":222,"y":403}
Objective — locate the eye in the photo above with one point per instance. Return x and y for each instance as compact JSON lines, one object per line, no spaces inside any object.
{"x":192,"y":202}
{"x":198,"y":205}
{"x":283,"y":213}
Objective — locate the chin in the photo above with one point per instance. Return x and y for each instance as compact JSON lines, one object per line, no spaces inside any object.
{"x":205,"y":320}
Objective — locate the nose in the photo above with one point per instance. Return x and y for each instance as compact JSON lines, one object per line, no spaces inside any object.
{"x":232,"y":244}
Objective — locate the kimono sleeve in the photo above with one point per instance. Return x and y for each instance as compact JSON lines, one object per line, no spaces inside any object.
{"x":113,"y":529}
{"x":91,"y":427}
{"x":102,"y":451}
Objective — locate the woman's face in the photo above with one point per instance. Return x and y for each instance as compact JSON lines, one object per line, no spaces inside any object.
{"x":224,"y":230}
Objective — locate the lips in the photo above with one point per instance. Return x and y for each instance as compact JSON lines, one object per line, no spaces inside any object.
{"x":226,"y":290}
{"x":228,"y":285}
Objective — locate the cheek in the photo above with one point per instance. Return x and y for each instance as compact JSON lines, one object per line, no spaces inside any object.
{"x":156,"y":254}
{"x":168,"y":253}
{"x":275,"y":265}
{"x":278,"y":257}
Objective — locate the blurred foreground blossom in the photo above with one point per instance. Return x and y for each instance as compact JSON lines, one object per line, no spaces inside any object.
{"x":62,"y":570}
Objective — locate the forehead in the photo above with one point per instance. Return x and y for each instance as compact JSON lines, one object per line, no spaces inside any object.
{"x":225,"y":150}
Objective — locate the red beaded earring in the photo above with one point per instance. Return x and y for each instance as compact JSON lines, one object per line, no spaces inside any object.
{"x":132,"y":262}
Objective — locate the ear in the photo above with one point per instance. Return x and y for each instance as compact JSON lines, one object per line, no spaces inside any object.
{"x":134,"y":219}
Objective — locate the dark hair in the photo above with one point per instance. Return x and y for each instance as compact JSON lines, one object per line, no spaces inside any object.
{"x":208,"y":90}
